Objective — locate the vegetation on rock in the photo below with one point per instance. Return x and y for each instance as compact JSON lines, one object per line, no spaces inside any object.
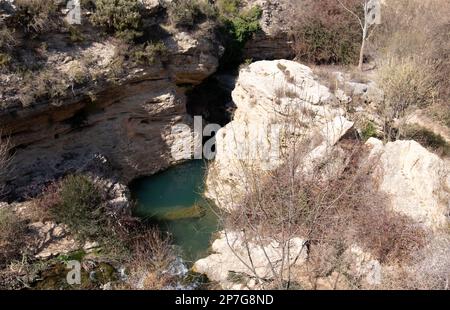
{"x":324,"y":32}
{"x":121,"y":17}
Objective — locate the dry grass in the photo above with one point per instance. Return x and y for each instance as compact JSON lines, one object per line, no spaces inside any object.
{"x":429,"y":268}
{"x":153,"y":256}
{"x":12,"y":234}
{"x":333,"y":211}
{"x":327,"y":77}
{"x":45,"y":85}
{"x":414,"y":40}
{"x":440,"y":112}
{"x":41,"y":208}
{"x":407,"y":83}
{"x":325,"y":33}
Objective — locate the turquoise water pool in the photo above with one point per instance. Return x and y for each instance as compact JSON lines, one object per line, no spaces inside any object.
{"x":173,"y":200}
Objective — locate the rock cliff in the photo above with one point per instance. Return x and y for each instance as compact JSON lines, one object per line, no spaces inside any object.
{"x":276,"y":101}
{"x":273,"y":41}
{"x":129,"y":121}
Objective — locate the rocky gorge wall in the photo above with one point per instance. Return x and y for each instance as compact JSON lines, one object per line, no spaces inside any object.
{"x":415,"y":181}
{"x":128,"y":122}
{"x":274,"y":40}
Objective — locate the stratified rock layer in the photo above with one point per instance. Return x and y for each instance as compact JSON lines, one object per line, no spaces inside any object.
{"x":130,"y":122}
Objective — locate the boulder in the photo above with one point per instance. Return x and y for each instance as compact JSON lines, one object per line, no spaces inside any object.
{"x":51,"y":240}
{"x":231,"y":257}
{"x":277,"y":102}
{"x":417,"y":181}
{"x":193,"y":57}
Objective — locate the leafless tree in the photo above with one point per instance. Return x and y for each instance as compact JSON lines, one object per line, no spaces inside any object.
{"x":329,"y":202}
{"x":286,"y":203}
{"x":368,"y":22}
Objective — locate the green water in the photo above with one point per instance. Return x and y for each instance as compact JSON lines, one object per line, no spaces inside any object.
{"x":172,"y":199}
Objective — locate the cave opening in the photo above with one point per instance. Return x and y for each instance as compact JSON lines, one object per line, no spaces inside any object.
{"x":212,"y":99}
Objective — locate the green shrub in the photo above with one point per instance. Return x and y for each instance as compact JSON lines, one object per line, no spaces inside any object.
{"x":37,"y":16}
{"x":151,"y":53}
{"x":75,"y":35}
{"x":369,"y":131}
{"x":229,"y":8}
{"x":7,"y":40}
{"x":188,"y":13}
{"x":4,"y":60}
{"x":123,"y":17}
{"x":237,"y":30}
{"x":80,"y":207}
{"x":246,"y":24}
{"x":77,"y":202}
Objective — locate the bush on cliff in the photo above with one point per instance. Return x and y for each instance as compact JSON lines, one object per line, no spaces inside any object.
{"x":151,"y":53}
{"x":81,"y":204}
{"x":238,"y":26}
{"x":12,"y":232}
{"x":188,"y":13}
{"x":325,"y":33}
{"x":122,"y":17}
{"x":36,"y":16}
{"x":80,"y":207}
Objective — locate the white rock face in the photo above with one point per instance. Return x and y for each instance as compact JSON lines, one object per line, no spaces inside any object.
{"x":417,"y":180}
{"x":52,"y":239}
{"x":365,"y":266}
{"x":230,"y":255}
{"x":277,"y":102}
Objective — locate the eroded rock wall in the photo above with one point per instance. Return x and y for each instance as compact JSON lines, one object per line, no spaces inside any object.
{"x":129,"y":122}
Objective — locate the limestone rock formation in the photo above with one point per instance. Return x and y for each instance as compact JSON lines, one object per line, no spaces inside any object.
{"x":231,"y":256}
{"x":194,"y":57}
{"x":274,"y":40}
{"x":417,"y":180}
{"x":129,"y":122}
{"x":276,"y":101}
{"x":51,"y":240}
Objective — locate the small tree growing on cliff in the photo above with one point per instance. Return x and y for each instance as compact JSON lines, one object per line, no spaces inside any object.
{"x":371,"y":18}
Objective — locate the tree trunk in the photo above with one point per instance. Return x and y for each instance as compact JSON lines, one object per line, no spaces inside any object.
{"x":361,"y":54}
{"x":364,"y":37}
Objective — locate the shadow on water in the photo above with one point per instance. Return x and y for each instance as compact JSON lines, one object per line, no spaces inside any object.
{"x":173,"y":200}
